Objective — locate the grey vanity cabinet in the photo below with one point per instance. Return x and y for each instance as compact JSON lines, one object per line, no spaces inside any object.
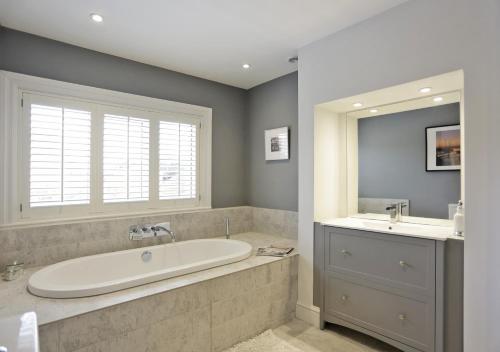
{"x":384,"y":285}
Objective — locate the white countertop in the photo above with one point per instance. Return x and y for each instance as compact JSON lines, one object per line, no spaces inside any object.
{"x":441,"y":232}
{"x":19,"y":333}
{"x":15,"y":298}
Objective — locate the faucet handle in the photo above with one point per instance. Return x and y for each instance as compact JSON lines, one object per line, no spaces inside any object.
{"x":135,"y":233}
{"x":147,"y":229}
{"x":135,"y":228}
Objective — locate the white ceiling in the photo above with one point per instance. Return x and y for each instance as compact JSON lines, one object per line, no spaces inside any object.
{"x":204,"y":38}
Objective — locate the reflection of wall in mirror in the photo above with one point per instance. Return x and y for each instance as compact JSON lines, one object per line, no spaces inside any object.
{"x":392,"y":160}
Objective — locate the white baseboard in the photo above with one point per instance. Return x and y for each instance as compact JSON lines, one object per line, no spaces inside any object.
{"x":308,"y":313}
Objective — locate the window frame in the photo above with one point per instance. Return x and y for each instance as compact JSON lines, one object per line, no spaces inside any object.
{"x":127,"y":205}
{"x":154,"y":202}
{"x":24,"y":160}
{"x":17,"y":92}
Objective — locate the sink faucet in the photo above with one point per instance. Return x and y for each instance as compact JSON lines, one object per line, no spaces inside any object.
{"x":395,"y":211}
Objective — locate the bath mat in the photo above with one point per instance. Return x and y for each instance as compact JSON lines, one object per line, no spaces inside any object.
{"x":265,"y":342}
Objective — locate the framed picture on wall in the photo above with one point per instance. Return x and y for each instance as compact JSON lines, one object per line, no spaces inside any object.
{"x":443,"y":148}
{"x":277,"y":144}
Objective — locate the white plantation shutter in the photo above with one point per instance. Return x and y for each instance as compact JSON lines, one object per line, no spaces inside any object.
{"x":125,"y":159}
{"x":177,"y":160}
{"x":59,"y":156}
{"x":81,"y":157}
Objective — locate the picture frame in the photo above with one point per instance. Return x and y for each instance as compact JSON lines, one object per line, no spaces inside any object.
{"x":443,"y":148}
{"x":277,"y":144}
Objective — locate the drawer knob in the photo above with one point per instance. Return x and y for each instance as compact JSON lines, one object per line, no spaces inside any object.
{"x":345,"y":252}
{"x":402,"y":317}
{"x":403,"y":264}
{"x":344,"y":297}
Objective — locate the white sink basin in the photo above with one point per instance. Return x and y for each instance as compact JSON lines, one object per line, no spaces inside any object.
{"x":397,"y":227}
{"x":400,"y":228}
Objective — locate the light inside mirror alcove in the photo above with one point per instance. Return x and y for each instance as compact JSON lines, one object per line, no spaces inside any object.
{"x":405,"y":145}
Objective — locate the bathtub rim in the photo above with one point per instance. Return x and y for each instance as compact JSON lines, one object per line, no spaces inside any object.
{"x":92,"y":290}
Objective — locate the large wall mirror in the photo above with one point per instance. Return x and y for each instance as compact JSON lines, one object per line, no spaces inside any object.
{"x":397,"y":145}
{"x":408,"y":153}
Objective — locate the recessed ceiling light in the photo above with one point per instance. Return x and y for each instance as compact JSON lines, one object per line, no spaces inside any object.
{"x":357,"y":105}
{"x":425,"y":90}
{"x":438,"y":99}
{"x":96,"y":17}
{"x":246,"y":66}
{"x":373,"y":111}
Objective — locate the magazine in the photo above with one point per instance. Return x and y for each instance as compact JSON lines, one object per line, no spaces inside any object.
{"x":274,"y":251}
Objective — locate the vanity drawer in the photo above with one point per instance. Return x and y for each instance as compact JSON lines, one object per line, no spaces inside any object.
{"x":400,"y":318}
{"x":396,"y":261}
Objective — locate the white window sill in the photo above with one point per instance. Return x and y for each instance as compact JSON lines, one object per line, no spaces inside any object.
{"x":109,"y":216}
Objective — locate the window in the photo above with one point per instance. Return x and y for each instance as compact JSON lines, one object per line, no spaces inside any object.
{"x":125,"y":160}
{"x":84,"y":158}
{"x":177,"y":160}
{"x":59,"y":156}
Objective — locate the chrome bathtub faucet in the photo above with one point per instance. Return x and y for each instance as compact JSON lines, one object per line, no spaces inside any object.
{"x":157,"y":230}
{"x":140,"y":232}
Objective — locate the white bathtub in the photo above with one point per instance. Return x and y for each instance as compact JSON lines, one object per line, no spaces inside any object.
{"x":109,"y":272}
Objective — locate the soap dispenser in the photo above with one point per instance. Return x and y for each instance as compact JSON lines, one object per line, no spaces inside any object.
{"x":458,"y":220}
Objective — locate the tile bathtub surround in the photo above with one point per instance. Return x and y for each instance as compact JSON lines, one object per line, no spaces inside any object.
{"x":47,"y":244}
{"x":15,"y":299}
{"x":274,"y":221}
{"x":208,"y":316}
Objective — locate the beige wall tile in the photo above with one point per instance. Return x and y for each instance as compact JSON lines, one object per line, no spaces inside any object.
{"x":130,"y":341}
{"x":87,"y":329}
{"x":201,"y":338}
{"x":42,"y":245}
{"x":274,"y":221}
{"x":49,"y":337}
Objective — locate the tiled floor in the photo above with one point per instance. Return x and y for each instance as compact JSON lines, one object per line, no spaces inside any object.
{"x":333,"y":339}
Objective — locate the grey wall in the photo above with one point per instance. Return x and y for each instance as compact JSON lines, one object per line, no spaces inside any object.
{"x":420,"y":39}
{"x":272,"y":184}
{"x":392,"y":160}
{"x":240,"y":174}
{"x":29,"y":54}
